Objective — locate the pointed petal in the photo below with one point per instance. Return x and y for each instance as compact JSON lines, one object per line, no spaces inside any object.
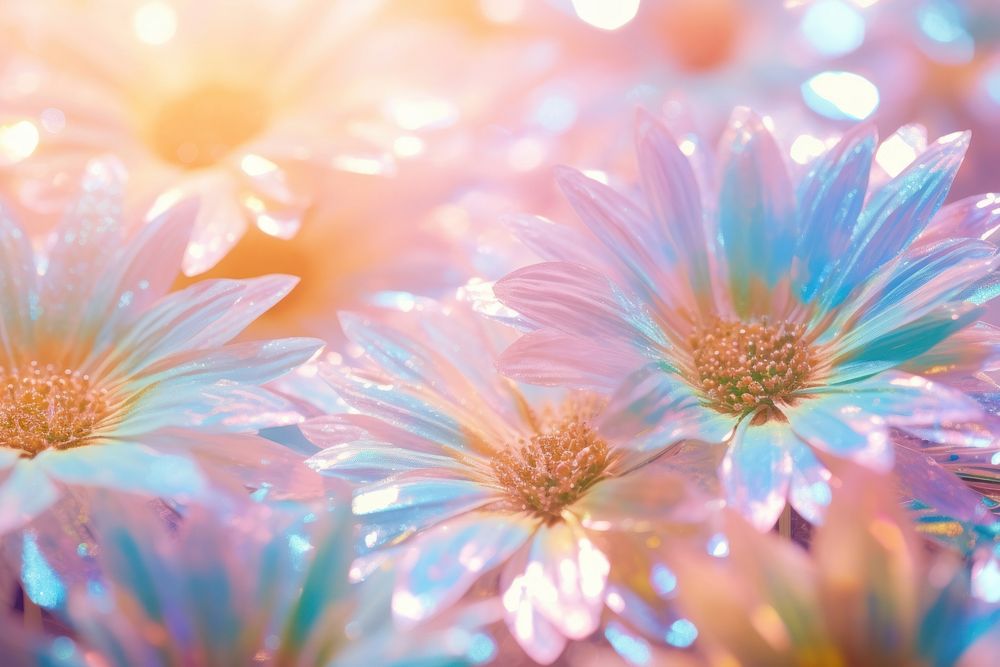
{"x":975,"y":217}
{"x":757,"y":221}
{"x":757,"y":470}
{"x":672,"y":190}
{"x":830,"y":199}
{"x":897,"y":213}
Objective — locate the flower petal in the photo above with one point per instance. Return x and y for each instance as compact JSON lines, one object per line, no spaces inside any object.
{"x":830,"y":198}
{"x":758,"y":227}
{"x":553,"y":358}
{"x":757,"y":470}
{"x":444,"y":562}
{"x":127,"y":467}
{"x":897,"y":213}
{"x":540,"y":638}
{"x":365,"y":461}
{"x":654,"y":408}
{"x":398,"y":507}
{"x":18,"y":288}
{"x":809,"y":492}
{"x":24,"y":494}
{"x":671,"y":188}
{"x":579,"y":301}
{"x":843,"y":425}
{"x":566,"y":576}
{"x":975,"y":217}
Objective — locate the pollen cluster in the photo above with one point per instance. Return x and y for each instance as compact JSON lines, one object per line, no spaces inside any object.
{"x":743,"y":366}
{"x":203,"y":126}
{"x":44,"y":407}
{"x":550,"y":470}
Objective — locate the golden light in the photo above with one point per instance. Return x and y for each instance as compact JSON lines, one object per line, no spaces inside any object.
{"x":154,"y":23}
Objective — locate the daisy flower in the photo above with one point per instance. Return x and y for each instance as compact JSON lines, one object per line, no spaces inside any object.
{"x":108,"y":380}
{"x":267,"y":585}
{"x":463,"y":475}
{"x":868,"y":593}
{"x":799,"y":320}
{"x":246,"y":105}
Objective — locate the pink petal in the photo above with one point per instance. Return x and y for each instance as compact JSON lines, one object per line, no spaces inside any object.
{"x":579,"y":301}
{"x":553,"y":358}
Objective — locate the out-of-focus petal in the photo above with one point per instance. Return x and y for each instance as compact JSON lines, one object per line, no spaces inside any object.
{"x":126,"y":467}
{"x":641,"y":501}
{"x":24,"y":493}
{"x":540,"y":638}
{"x":809,"y":492}
{"x":757,"y":470}
{"x":18,"y":288}
{"x":442,"y":564}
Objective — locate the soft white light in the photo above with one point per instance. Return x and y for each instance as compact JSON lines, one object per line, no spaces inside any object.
{"x":17,"y":141}
{"x":154,"y":22}
{"x":833,"y":27}
{"x":606,"y":14}
{"x":841,"y":95}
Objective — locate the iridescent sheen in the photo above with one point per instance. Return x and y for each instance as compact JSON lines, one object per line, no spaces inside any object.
{"x":111,"y":381}
{"x":814,"y":321}
{"x":463,"y":475}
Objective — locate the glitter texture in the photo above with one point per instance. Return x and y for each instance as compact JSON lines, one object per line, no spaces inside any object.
{"x":46,"y":408}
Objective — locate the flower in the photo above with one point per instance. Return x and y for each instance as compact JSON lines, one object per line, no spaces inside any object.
{"x":869,"y":593}
{"x":109,"y":381}
{"x":805,"y":323}
{"x":248,"y":105}
{"x":462,"y":473}
{"x":267,"y":585}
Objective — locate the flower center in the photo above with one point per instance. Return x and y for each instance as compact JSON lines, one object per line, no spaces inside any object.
{"x":204,"y":125}
{"x":552,"y":469}
{"x":742,"y":366}
{"x":45,"y":408}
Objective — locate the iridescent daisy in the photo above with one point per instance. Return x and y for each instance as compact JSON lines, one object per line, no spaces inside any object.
{"x":868,"y":593}
{"x":804,"y":322}
{"x":466,"y":476}
{"x":110,"y":381}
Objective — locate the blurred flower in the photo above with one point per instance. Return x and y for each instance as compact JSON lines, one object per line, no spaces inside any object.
{"x":268,"y":585}
{"x":111,"y":382}
{"x":798,"y":324}
{"x":868,"y":594}
{"x":463,"y":473}
{"x":244,"y":104}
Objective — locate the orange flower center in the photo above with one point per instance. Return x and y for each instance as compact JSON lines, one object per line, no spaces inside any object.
{"x":553,"y":468}
{"x":201,"y":127}
{"x":741,"y":367}
{"x":46,"y":408}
